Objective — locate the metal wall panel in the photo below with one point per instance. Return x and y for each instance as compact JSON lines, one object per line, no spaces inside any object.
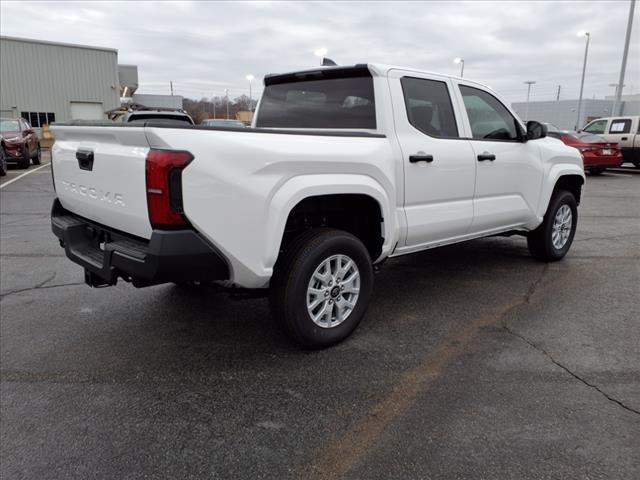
{"x":40,"y":76}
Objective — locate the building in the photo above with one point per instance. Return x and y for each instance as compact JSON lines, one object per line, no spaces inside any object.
{"x":564,"y":113}
{"x":48,"y":82}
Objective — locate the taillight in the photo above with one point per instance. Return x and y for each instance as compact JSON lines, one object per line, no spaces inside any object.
{"x":585,"y":149}
{"x":164,"y":187}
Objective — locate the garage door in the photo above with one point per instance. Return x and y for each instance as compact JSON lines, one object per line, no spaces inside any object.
{"x":86,"y":111}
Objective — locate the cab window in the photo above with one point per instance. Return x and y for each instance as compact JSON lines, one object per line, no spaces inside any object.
{"x":597,"y":127}
{"x":429,"y":107}
{"x":620,"y":126}
{"x":488,"y":117}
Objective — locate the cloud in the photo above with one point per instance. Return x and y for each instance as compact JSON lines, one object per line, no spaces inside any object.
{"x":205,"y":47}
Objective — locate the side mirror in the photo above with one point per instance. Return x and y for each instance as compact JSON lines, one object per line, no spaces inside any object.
{"x":535,"y":130}
{"x":27,"y":131}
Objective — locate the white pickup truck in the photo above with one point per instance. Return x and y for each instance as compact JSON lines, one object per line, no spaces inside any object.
{"x":343,"y":168}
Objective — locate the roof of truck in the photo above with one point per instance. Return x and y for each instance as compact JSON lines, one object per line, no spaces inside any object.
{"x":376,"y":69}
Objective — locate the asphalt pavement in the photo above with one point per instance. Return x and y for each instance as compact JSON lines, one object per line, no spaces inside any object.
{"x":473,"y":362}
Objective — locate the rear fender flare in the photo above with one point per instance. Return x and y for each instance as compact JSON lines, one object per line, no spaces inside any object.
{"x":298,"y":188}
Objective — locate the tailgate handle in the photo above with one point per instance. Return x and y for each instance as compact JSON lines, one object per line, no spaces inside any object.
{"x":85,"y":159}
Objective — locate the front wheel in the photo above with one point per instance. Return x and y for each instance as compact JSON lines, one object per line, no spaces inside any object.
{"x":553,"y":238}
{"x":37,"y":158}
{"x":3,"y":162}
{"x":25,"y":161}
{"x":321,"y":287}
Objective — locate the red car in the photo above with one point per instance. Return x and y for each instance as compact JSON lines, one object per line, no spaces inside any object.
{"x":597,"y":153}
{"x":18,"y":144}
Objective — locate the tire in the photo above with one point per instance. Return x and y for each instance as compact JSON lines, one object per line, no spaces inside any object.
{"x":3,"y":162}
{"x":37,"y":158}
{"x":596,"y":171}
{"x":636,"y":164}
{"x":315,"y":254}
{"x":541,"y":240}
{"x":25,"y":161}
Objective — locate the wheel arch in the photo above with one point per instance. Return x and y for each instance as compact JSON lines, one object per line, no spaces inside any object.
{"x":302,"y":194}
{"x":567,"y":177}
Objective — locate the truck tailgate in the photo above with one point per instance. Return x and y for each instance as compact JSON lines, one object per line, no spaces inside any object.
{"x":99,"y":174}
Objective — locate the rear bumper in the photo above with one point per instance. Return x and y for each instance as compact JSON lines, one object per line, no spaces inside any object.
{"x":601,"y":161}
{"x":106,"y":254}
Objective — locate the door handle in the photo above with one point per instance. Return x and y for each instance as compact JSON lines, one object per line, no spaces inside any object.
{"x":85,"y":159}
{"x":486,"y":156}
{"x":624,"y":138}
{"x":421,"y":158}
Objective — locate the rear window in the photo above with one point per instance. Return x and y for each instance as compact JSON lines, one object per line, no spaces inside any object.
{"x":331,"y":103}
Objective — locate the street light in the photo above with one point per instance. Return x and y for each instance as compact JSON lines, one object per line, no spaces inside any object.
{"x":250,"y":78}
{"x":321,"y":53}
{"x":526,"y":110}
{"x":584,"y":69}
{"x":461,"y":62}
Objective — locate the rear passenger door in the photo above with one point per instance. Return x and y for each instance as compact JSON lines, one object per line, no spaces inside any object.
{"x":439,"y":168}
{"x":620,"y":131}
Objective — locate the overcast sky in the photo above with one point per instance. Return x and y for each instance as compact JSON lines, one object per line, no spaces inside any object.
{"x":205,"y":47}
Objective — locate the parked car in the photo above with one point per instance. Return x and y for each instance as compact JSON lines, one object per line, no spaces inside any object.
{"x":346,"y":167}
{"x":18,"y":144}
{"x":597,"y":154}
{"x":221,"y":122}
{"x":625,"y":131}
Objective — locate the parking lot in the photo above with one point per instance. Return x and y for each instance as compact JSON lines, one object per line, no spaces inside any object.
{"x":474,"y":361}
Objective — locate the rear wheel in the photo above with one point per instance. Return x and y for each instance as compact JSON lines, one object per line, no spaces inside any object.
{"x":321,"y":287}
{"x":553,"y":238}
{"x":37,"y":158}
{"x":3,"y":162}
{"x":25,"y":161}
{"x":596,"y":171}
{"x":636,"y":164}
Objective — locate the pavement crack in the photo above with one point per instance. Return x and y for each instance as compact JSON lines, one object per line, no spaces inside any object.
{"x":41,"y":286}
{"x":568,"y":370}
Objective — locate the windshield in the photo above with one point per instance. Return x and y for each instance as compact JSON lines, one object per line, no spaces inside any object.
{"x":9,"y":126}
{"x":334,"y":103}
{"x":162,"y":117}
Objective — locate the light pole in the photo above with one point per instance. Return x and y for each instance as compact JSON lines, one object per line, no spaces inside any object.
{"x":615,"y":97}
{"x":461,"y":62}
{"x":526,"y":110}
{"x":623,"y":68}
{"x":584,"y":69}
{"x":250,"y":78}
{"x":321,"y":53}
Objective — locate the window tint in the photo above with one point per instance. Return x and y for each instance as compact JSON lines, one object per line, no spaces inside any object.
{"x":429,"y":107}
{"x":326,"y":103}
{"x":596,"y":127}
{"x":489,"y":119}
{"x":620,"y":126}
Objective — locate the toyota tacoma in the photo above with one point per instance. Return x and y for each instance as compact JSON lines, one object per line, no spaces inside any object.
{"x":342,"y":168}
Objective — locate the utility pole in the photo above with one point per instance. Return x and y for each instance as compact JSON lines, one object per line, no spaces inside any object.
{"x":526,"y":111}
{"x":617,"y":102}
{"x":214,"y":106}
{"x":558,"y":93}
{"x":171,"y":85}
{"x":226,"y":94}
{"x":584,"y":69}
